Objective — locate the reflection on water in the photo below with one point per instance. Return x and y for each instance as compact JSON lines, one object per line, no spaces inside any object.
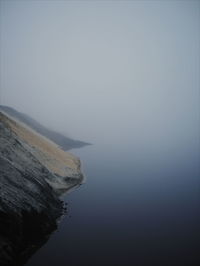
{"x":131,"y":211}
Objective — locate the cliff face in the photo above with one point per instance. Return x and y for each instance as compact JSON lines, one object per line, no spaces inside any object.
{"x":33,"y":172}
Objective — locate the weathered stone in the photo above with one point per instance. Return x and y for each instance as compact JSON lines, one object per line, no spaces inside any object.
{"x":30,"y":181}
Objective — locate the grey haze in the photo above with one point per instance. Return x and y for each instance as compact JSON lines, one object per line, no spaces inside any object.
{"x":126,"y":71}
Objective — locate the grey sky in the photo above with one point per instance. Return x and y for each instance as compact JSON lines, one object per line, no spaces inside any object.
{"x":104,"y":70}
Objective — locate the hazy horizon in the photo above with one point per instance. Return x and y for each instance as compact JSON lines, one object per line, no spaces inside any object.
{"x":102,"y":71}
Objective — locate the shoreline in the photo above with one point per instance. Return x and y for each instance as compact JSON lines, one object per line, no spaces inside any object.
{"x":33,"y":173}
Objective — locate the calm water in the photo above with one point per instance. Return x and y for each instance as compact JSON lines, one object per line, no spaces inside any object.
{"x":134,"y":209}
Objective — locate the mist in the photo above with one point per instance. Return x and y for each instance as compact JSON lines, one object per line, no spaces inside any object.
{"x":124,"y":77}
{"x":124,"y":74}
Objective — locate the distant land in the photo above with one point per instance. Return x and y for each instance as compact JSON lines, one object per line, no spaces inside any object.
{"x":64,"y":142}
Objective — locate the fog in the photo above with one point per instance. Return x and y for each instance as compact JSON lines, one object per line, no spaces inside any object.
{"x":116,"y":73}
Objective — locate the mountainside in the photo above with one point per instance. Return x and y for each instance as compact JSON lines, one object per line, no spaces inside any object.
{"x":63,"y":141}
{"x":34,"y":171}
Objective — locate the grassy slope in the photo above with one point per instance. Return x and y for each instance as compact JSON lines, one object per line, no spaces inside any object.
{"x":65,"y":142}
{"x":47,"y":152}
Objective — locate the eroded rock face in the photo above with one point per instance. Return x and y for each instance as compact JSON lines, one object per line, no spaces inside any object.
{"x":29,"y":203}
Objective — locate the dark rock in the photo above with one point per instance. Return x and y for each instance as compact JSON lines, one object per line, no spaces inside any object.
{"x":29,"y":205}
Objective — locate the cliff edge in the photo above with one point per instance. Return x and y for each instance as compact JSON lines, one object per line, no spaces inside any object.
{"x":34,"y":171}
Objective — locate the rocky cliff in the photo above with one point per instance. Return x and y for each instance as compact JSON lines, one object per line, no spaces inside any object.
{"x":34,"y":171}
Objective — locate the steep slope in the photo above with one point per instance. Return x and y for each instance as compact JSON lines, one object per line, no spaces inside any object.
{"x":63,"y":141}
{"x":57,"y":161}
{"x":33,"y":171}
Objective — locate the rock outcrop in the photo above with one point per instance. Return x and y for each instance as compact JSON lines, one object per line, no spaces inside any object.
{"x":34,"y":171}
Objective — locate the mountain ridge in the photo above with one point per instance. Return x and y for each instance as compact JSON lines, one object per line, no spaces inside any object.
{"x":64,"y":142}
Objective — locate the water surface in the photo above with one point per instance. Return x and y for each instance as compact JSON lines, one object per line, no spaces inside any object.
{"x":134,"y":209}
